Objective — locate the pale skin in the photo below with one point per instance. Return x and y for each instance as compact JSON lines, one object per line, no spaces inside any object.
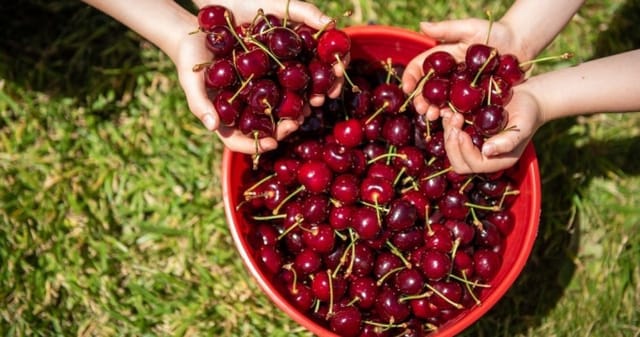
{"x":525,"y":30}
{"x":608,"y":84}
{"x":171,"y":28}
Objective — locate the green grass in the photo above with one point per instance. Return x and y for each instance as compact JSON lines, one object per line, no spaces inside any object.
{"x":111,"y":218}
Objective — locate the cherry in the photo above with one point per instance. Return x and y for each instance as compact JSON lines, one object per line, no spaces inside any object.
{"x":487,"y":263}
{"x":256,"y":125}
{"x":376,"y":190}
{"x":481,"y":58}
{"x":453,"y":205}
{"x":338,"y":158}
{"x":307,"y":35}
{"x":315,"y":176}
{"x":333,"y":45}
{"x":498,"y":90}
{"x":388,"y":97}
{"x":346,"y":321}
{"x":220,"y":41}
{"x":409,"y":281}
{"x":290,"y":106}
{"x":345,"y":189}
{"x":284,"y":43}
{"x":253,"y":63}
{"x":227,"y":107}
{"x":264,"y":95}
{"x":322,"y":77}
{"x":465,"y":96}
{"x":489,"y":120}
{"x":328,"y":288}
{"x":389,"y":306}
{"x":301,"y":296}
{"x":440,"y":62}
{"x":220,"y":74}
{"x":509,"y":69}
{"x":341,"y":217}
{"x":401,"y":215}
{"x":315,"y":208}
{"x":440,"y":239}
{"x":366,"y":222}
{"x":448,"y":295}
{"x":365,"y":290}
{"x":264,"y":25}
{"x":436,"y":91}
{"x":504,"y":220}
{"x":211,"y":16}
{"x":397,"y":130}
{"x":270,"y":258}
{"x":293,"y":76}
{"x":349,"y":132}
{"x":307,"y":262}
{"x":411,"y":159}
{"x":435,"y":264}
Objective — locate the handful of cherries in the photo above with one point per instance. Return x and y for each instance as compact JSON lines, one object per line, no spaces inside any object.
{"x":266,"y":70}
{"x":360,"y":222}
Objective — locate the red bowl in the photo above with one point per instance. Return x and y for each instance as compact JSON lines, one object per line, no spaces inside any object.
{"x":380,"y":43}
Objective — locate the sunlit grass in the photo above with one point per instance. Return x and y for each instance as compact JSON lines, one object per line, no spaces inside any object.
{"x":111,"y":219}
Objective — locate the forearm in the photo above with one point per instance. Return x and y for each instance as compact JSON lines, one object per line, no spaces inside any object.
{"x":608,"y":84}
{"x":535,"y":23}
{"x":162,"y":22}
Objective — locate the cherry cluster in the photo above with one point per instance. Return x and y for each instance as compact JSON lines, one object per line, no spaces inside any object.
{"x":478,"y":87}
{"x":358,"y":219}
{"x":265,"y":70}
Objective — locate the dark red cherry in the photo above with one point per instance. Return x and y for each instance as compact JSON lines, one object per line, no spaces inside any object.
{"x":440,"y":62}
{"x":487,"y":263}
{"x":409,"y":281}
{"x":264,"y":96}
{"x":509,"y":69}
{"x":498,"y":90}
{"x":365,"y":290}
{"x":228,"y":107}
{"x":400,"y":215}
{"x":263,"y":25}
{"x":366,"y":222}
{"x":376,"y":190}
{"x":220,"y":74}
{"x":253,"y":63}
{"x":397,"y":130}
{"x":465,"y":96}
{"x":479,"y":57}
{"x":290,"y":105}
{"x":436,"y":91}
{"x":338,"y":157}
{"x":293,"y":76}
{"x":220,"y":41}
{"x":489,"y":120}
{"x":284,"y":43}
{"x":435,"y":264}
{"x":211,"y":16}
{"x":349,"y":132}
{"x":453,"y":205}
{"x":322,"y":77}
{"x":346,"y":321}
{"x":345,"y":189}
{"x":390,"y":308}
{"x":387,"y":97}
{"x":315,"y":176}
{"x":255,"y":124}
{"x":333,"y":45}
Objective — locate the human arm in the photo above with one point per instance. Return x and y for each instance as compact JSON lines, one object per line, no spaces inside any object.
{"x":608,"y":84}
{"x":171,"y":28}
{"x":524,"y":30}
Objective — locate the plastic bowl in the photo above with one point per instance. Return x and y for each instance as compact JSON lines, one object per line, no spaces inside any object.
{"x":380,"y":43}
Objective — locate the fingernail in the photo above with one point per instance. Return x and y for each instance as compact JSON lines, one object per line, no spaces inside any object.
{"x":488,"y":149}
{"x":208,"y":121}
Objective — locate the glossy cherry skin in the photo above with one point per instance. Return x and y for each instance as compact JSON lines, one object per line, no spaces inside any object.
{"x":465,"y":96}
{"x":228,"y":109}
{"x":284,"y":43}
{"x":294,"y":76}
{"x":220,"y":74}
{"x":322,"y":77}
{"x":440,"y":62}
{"x":315,"y":176}
{"x":349,"y":133}
{"x":290,"y":106}
{"x":453,"y":205}
{"x":479,"y":58}
{"x":211,"y":16}
{"x":509,"y":69}
{"x":254,"y":63}
{"x":333,"y":45}
{"x":436,"y":91}
{"x":220,"y":41}
{"x":489,"y":120}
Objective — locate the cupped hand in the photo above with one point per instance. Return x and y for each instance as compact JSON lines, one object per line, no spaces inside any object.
{"x":454,"y":37}
{"x":193,"y":51}
{"x":500,"y":151}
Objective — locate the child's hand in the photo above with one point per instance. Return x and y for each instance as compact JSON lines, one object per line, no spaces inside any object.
{"x":500,"y":151}
{"x":455,"y":37}
{"x":193,"y":51}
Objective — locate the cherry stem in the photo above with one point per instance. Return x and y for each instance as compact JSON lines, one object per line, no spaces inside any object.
{"x":563,"y":56}
{"x":441,"y":295}
{"x":354,"y":87}
{"x":200,"y":66}
{"x":386,"y":326}
{"x":490,"y":17}
{"x":299,"y":219}
{"x":467,"y":285}
{"x":377,"y":112}
{"x":387,"y":156}
{"x":418,"y":89}
{"x":267,"y":51}
{"x":330,"y":312}
{"x":466,"y":183}
{"x":268,"y":217}
{"x":287,"y":198}
{"x":389,"y":273}
{"x":438,"y":173}
{"x":286,"y":14}
{"x":242,"y":86}
{"x":465,"y":280}
{"x":395,"y":251}
{"x":492,"y":54}
{"x":493,"y":208}
{"x":399,"y":175}
{"x":227,"y":16}
{"x":257,"y":184}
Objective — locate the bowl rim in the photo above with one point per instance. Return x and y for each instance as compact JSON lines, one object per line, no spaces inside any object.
{"x":450,"y":328}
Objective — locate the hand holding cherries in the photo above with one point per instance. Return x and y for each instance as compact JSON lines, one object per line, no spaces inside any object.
{"x":265,"y":71}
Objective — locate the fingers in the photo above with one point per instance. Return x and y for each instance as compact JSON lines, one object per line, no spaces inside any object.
{"x":303,"y":12}
{"x":453,"y":31}
{"x":235,"y":141}
{"x":197,"y":99}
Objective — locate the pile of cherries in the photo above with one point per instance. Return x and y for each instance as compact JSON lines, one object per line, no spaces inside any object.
{"x":478,"y":87}
{"x":358,"y":218}
{"x":265,"y":70}
{"x":360,"y":222}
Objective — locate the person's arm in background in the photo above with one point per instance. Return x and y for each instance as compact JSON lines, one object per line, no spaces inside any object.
{"x":171,"y":28}
{"x":608,"y":84}
{"x":524,"y":30}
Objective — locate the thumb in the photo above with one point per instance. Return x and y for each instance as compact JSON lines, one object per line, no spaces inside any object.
{"x":308,"y":14}
{"x":502,"y":143}
{"x":198,"y":101}
{"x":450,"y":31}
